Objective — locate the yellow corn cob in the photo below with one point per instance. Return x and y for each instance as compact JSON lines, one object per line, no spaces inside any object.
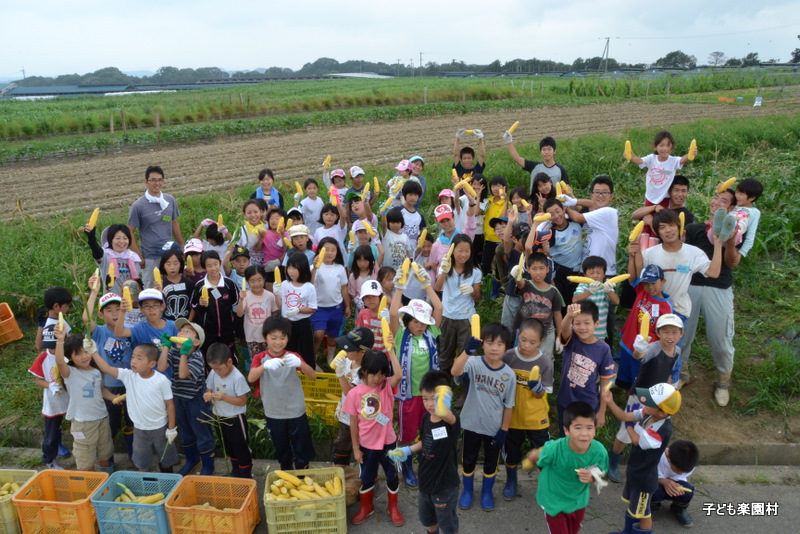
{"x":417,"y":271}
{"x":204,"y":293}
{"x":6,"y":486}
{"x":404,"y":271}
{"x":306,"y":487}
{"x":327,"y":162}
{"x":513,"y":127}
{"x":637,"y":230}
{"x":332,"y":397}
{"x":628,"y":153}
{"x":527,"y":465}
{"x":366,"y":190}
{"x":277,"y":276}
{"x":220,"y":222}
{"x":386,"y":332}
{"x":119,"y":399}
{"x":644,"y":327}
{"x":287,"y":242}
{"x":469,"y":189}
{"x":470,"y":132}
{"x":244,"y":284}
{"x":288,"y":477}
{"x":337,"y":485}
{"x":580,"y":279}
{"x":521,"y":267}
{"x":157,"y":275}
{"x":320,"y":259}
{"x":97,"y":279}
{"x":352,"y":237}
{"x":322,"y":492}
{"x":450,"y":251}
{"x":275,"y":490}
{"x":619,"y":278}
{"x":559,"y":189}
{"x":524,"y":203}
{"x":441,"y":391}
{"x":682,"y":218}
{"x":126,"y":294}
{"x":386,"y":204}
{"x":542,"y":217}
{"x":128,"y":492}
{"x":726,"y":184}
{"x":93,"y":219}
{"x":330,"y":488}
{"x":368,"y":227}
{"x":332,"y":196}
{"x":376,"y":185}
{"x":609,"y":385}
{"x":61,"y":321}
{"x":124,"y":498}
{"x":422,"y":236}
{"x":298,"y":187}
{"x":534,"y":374}
{"x":692,"y":148}
{"x":475,"y":322}
{"x":455,"y":174}
{"x":57,"y":376}
{"x":189,"y":263}
{"x":281,"y":226}
{"x":14,"y":487}
{"x":177,"y":339}
{"x":111,"y":277}
{"x":151,"y":499}
{"x":382,"y":305}
{"x":289,"y":223}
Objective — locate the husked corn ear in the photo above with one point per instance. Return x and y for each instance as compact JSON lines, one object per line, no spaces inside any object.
{"x":422,"y":236}
{"x":97,"y":279}
{"x":244,"y":284}
{"x":61,"y":320}
{"x":559,"y":189}
{"x":121,"y":398}
{"x":126,"y":294}
{"x":383,"y":304}
{"x":726,"y":184}
{"x":637,"y":230}
{"x":542,"y":217}
{"x":449,"y":251}
{"x":534,"y":375}
{"x":455,"y":174}
{"x":204,"y":293}
{"x":337,"y":485}
{"x":352,"y":237}
{"x":524,"y":203}
{"x":289,"y":223}
{"x":327,"y":162}
{"x":281,"y":226}
{"x":682,"y":219}
{"x":470,"y":132}
{"x":513,"y":127}
{"x":112,"y":278}
{"x":368,"y":227}
{"x":376,"y":185}
{"x":288,"y":477}
{"x":178,"y":340}
{"x":644,"y":326}
{"x":276,"y":273}
{"x":417,"y":270}
{"x":93,"y":219}
{"x":580,"y":279}
{"x":320,"y":259}
{"x":220,"y":222}
{"x":287,"y":242}
{"x":441,"y":392}
{"x":619,"y":278}
{"x":386,"y":204}
{"x":475,"y":323}
{"x":299,"y":188}
{"x":521,"y":267}
{"x":366,"y":190}
{"x":692,"y":149}
{"x":404,"y":271}
{"x":628,"y":153}
{"x":157,"y":275}
{"x":388,"y":342}
{"x":527,"y":465}
{"x":189,"y":263}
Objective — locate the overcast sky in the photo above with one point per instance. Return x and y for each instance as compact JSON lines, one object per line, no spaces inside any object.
{"x":51,"y":37}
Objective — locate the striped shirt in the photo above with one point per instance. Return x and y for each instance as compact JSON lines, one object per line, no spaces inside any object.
{"x":195,"y":384}
{"x":601,"y":299}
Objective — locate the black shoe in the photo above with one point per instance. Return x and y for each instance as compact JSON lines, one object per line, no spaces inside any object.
{"x":683,"y":517}
{"x":655,"y":506}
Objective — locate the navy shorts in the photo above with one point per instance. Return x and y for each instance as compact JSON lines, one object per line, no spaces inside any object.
{"x":329,"y":319}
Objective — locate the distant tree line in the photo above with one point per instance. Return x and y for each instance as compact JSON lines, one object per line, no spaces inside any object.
{"x":324,"y":66}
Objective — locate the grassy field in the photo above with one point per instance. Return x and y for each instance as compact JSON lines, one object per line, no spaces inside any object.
{"x":40,"y":253}
{"x":36,"y":129}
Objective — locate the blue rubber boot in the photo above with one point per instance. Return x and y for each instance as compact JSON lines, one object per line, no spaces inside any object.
{"x":465,"y":501}
{"x":208,"y":462}
{"x":408,"y":473}
{"x":100,"y":469}
{"x":510,"y":489}
{"x":613,"y":466}
{"x":487,"y":498}
{"x":630,"y":522}
{"x":192,"y":459}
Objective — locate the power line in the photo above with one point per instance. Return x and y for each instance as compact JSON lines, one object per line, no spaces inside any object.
{"x":702,"y":36}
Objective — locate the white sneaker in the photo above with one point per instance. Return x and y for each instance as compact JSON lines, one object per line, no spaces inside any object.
{"x":680,"y":383}
{"x":721,"y":396}
{"x":54,"y":465}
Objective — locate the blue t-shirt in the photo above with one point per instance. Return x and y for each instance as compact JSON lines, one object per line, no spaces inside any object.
{"x":115,"y":351}
{"x":144,"y":333}
{"x":566,"y":246}
{"x":582,"y":365}
{"x":456,"y":304}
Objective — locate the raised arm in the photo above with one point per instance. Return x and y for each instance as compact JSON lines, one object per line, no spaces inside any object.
{"x":61,"y":361}
{"x":512,"y":150}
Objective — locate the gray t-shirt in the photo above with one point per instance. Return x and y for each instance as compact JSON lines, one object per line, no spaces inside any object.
{"x":233,"y":385}
{"x":154,"y":223}
{"x":490,"y":391}
{"x":281,"y":391}
{"x":86,"y":395}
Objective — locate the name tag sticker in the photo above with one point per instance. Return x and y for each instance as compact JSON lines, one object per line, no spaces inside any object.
{"x":683,"y":269}
{"x":166,"y":218}
{"x":439,"y":432}
{"x":382,"y":419}
{"x":215,"y":292}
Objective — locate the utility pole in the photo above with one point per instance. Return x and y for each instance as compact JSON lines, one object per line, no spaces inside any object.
{"x":412,"y":67}
{"x":23,"y":73}
{"x":398,"y":67}
{"x":420,"y":63}
{"x":604,"y":59}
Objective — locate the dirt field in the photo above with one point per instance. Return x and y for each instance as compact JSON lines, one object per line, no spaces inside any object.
{"x":115,"y":181}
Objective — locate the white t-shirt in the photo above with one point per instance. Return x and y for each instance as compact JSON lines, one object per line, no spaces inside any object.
{"x":86,"y":402}
{"x":44,"y":368}
{"x":602,"y":234}
{"x":678,"y":270}
{"x":659,"y":176}
{"x":257,"y":308}
{"x":351,"y":375}
{"x":328,"y":282}
{"x":412,"y":224}
{"x":665,"y":470}
{"x":336,"y":232}
{"x":311,"y":212}
{"x":233,"y":385}
{"x":145,"y":400}
{"x":292,"y":296}
{"x":397,"y":247}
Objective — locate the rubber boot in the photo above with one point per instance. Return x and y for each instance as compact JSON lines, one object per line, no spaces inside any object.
{"x":487,"y":497}
{"x":208,"y":463}
{"x":341,"y":457}
{"x":192,"y":459}
{"x":163,"y":469}
{"x":100,"y":469}
{"x":510,"y":489}
{"x":235,"y":469}
{"x":630,"y":521}
{"x":465,"y":501}
{"x":408,"y":473}
{"x":246,"y":356}
{"x":367,"y":506}
{"x":613,"y":465}
{"x":678,"y":509}
{"x":246,"y":471}
{"x":394,"y":511}
{"x":127,"y":435}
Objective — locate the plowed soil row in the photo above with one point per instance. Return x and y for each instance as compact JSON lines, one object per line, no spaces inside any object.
{"x":116,"y":180}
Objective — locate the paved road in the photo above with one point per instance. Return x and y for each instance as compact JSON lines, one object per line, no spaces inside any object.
{"x":718,"y":487}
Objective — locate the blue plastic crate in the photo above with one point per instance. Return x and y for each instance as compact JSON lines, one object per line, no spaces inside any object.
{"x":134,"y":518}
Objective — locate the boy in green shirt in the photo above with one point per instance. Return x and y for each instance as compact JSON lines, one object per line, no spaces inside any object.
{"x":563,"y":489}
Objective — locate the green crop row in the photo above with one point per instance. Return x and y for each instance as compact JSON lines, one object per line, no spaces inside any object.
{"x":24,"y":120}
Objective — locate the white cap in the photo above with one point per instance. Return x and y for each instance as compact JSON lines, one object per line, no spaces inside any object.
{"x":419,"y":310}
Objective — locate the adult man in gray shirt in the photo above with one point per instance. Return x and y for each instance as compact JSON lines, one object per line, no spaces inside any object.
{"x":155,"y":215}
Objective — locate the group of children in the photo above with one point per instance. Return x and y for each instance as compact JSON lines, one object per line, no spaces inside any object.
{"x":165,"y":359}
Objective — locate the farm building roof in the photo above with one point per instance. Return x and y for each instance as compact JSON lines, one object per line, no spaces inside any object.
{"x":66,"y":90}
